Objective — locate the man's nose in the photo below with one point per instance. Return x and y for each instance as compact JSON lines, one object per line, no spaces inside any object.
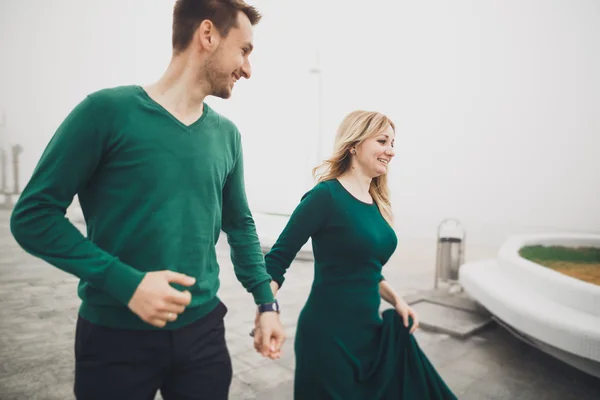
{"x":246,"y":70}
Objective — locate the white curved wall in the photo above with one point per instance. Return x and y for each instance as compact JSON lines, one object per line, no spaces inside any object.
{"x":561,"y":288}
{"x":512,"y":301}
{"x":548,"y":306}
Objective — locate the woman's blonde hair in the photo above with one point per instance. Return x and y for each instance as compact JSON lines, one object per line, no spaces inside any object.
{"x":355,"y":129}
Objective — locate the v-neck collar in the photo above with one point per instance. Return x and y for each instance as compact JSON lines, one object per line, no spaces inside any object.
{"x":205,"y":111}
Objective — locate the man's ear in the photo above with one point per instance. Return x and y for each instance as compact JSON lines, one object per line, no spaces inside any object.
{"x":207,"y":36}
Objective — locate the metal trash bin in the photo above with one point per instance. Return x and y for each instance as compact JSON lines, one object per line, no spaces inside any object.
{"x":450,"y":251}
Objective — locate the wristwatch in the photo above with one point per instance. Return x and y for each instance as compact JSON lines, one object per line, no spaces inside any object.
{"x":266,"y":307}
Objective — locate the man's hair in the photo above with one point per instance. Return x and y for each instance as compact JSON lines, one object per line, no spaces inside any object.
{"x":188,"y":14}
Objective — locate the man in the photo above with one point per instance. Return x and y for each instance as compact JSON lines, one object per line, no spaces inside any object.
{"x":158,"y":174}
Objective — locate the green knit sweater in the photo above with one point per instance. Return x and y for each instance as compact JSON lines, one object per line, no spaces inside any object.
{"x":155,"y":194}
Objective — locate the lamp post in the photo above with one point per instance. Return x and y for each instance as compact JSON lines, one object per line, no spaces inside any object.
{"x":3,"y":169}
{"x":3,"y":163}
{"x":17,"y":149}
{"x":316,"y":70}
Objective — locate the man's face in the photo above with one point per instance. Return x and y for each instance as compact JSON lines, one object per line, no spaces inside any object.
{"x":230,"y":61}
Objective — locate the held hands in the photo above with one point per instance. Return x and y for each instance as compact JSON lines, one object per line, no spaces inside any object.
{"x":156,"y":302}
{"x":405,"y":311}
{"x":268,"y":334}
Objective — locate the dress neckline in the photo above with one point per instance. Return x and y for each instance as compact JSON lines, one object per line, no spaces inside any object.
{"x":353,"y":196}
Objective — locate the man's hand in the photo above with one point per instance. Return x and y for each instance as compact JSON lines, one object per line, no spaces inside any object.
{"x":155,"y":301}
{"x":269,"y":335}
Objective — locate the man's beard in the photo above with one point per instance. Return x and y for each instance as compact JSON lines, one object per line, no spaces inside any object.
{"x":218,"y":80}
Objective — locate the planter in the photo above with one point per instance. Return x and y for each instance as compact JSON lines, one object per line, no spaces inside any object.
{"x":552,"y":311}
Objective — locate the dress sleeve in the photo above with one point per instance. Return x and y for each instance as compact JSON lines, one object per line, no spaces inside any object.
{"x":306,"y":220}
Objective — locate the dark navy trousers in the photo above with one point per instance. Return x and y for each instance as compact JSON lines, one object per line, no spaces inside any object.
{"x":189,"y":363}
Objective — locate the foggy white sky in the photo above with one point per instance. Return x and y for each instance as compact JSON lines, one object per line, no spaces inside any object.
{"x":497,"y":103}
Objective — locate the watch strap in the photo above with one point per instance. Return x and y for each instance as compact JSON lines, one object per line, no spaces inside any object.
{"x":266,"y":307}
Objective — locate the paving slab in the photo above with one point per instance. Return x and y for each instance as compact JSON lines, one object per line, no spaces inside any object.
{"x":447,"y":319}
{"x":39,"y":309}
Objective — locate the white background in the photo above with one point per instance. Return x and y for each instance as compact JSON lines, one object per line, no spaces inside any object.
{"x":497,"y":103}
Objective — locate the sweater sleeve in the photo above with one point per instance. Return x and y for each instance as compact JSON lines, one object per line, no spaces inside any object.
{"x":237,"y":222}
{"x":38,"y":221}
{"x":306,"y":220}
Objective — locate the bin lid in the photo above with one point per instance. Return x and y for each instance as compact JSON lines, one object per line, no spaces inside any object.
{"x":450,"y":239}
{"x":451,"y":228}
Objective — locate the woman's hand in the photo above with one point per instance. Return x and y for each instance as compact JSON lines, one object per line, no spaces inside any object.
{"x":405,"y":311}
{"x":274,"y":288}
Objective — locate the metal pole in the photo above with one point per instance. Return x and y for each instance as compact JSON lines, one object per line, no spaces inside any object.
{"x":3,"y":166}
{"x":437,"y":264}
{"x":16,"y":151}
{"x":317,"y":70}
{"x":3,"y":153}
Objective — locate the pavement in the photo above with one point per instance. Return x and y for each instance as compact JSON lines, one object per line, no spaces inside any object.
{"x":39,"y":308}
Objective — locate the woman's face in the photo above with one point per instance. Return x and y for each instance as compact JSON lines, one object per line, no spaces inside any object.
{"x":375,"y":153}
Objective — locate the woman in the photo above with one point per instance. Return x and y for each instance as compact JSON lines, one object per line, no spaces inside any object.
{"x":345,"y":349}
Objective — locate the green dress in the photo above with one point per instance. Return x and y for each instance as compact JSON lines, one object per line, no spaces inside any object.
{"x":345,"y":348}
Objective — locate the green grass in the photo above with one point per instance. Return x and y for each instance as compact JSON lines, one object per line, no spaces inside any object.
{"x":561,"y":253}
